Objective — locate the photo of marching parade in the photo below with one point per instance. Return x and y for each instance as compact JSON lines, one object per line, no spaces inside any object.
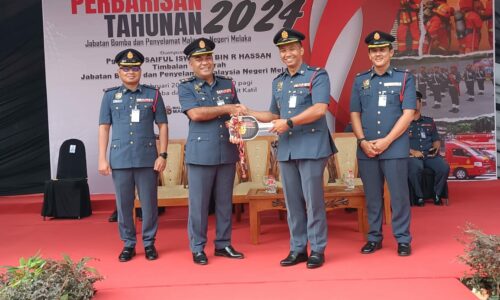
{"x":447,"y":46}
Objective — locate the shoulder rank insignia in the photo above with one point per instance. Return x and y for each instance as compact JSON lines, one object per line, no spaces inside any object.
{"x":187,"y":79}
{"x":224,"y":76}
{"x":111,"y":88}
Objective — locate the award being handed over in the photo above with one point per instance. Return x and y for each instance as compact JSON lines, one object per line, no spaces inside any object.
{"x":245,"y":128}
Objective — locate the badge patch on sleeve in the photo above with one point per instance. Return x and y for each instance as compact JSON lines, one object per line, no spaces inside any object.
{"x":226,"y":91}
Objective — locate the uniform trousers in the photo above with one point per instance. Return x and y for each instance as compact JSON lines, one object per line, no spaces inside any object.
{"x":304,"y":196}
{"x":146,"y":182}
{"x":437,"y":164}
{"x":205,"y":181}
{"x":395,"y":172}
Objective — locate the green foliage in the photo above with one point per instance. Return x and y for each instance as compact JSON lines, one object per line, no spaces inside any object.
{"x":482,"y":255}
{"x":39,"y":279}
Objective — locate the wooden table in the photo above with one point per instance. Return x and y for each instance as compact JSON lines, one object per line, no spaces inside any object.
{"x":335,"y":197}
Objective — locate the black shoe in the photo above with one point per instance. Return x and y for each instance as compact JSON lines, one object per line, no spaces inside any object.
{"x":404,"y":249}
{"x":113,"y":217}
{"x":315,"y":260}
{"x":200,"y":258}
{"x":438,"y":201}
{"x":293,"y":258}
{"x":150,"y":252}
{"x":454,"y":110}
{"x":470,"y":99}
{"x":420,"y":202}
{"x":436,"y":106}
{"x":371,"y":247}
{"x":126,"y":254}
{"x":229,"y":252}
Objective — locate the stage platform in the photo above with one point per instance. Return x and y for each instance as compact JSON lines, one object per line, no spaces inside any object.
{"x":432,"y":271}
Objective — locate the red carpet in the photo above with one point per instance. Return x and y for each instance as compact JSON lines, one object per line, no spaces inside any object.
{"x":430,"y":273}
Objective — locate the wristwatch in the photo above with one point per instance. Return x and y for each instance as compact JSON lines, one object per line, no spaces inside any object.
{"x":163,"y":155}
{"x":360,"y":141}
{"x":289,"y":122}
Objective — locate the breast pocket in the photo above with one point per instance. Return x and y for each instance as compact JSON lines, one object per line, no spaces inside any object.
{"x":117,"y":112}
{"x":146,"y":111}
{"x":393,"y":97}
{"x":303,"y":97}
{"x":365,"y":95}
{"x":204,"y":100}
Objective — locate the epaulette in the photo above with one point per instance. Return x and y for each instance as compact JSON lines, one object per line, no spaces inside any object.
{"x":150,"y":86}
{"x":313,"y":68}
{"x":401,"y":70}
{"x":112,"y":88}
{"x":279,"y":75}
{"x":363,"y":73}
{"x":224,"y":76}
{"x":187,"y":79}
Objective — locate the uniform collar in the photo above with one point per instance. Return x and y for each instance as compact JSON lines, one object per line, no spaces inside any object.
{"x":300,"y":71}
{"x":202,"y":82}
{"x":389,"y":72}
{"x":124,"y":89}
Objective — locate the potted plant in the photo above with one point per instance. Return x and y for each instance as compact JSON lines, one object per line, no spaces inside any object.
{"x":39,"y":278}
{"x":482,"y":255}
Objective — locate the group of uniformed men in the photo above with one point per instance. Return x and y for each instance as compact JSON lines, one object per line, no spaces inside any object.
{"x":439,"y":80}
{"x":383,"y":103}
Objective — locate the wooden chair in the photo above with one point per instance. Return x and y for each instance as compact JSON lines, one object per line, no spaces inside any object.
{"x":173,"y":190}
{"x":345,"y":158}
{"x":258,"y":158}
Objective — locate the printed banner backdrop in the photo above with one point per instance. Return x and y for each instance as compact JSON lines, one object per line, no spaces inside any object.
{"x":83,"y":36}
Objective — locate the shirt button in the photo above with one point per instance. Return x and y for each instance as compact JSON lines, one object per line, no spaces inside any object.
{"x":289,"y":133}
{"x":131,"y":133}
{"x":380,"y":82}
{"x":199,"y":138}
{"x":220,"y":126}
{"x":378,"y":122}
{"x":378,"y":112}
{"x":313,"y":130}
{"x":378,"y":132}
{"x":291,"y":81}
{"x":289,"y":111}
{"x":130,"y":106}
{"x":131,"y":97}
{"x":116,"y":107}
{"x":221,"y":136}
{"x":131,"y":142}
{"x":130,"y":124}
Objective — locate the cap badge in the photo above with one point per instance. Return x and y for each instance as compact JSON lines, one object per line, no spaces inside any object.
{"x":202,"y":44}
{"x":376,"y":36}
{"x":130,"y":55}
{"x":284,"y":34}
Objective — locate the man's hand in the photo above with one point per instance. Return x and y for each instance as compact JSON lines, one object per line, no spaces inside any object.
{"x":280,"y":126}
{"x":416,"y":154}
{"x":380,"y":145}
{"x":160,"y":164}
{"x":103,"y":167}
{"x":368,"y":148}
{"x":238,"y":109}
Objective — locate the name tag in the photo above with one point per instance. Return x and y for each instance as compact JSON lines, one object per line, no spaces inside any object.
{"x":422,"y":134}
{"x":117,"y":101}
{"x":382,"y":100}
{"x":392,"y":83}
{"x":220,"y":102}
{"x":292,"y":102}
{"x":135,"y":116}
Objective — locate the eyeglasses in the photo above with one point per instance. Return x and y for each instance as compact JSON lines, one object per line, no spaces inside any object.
{"x":128,"y":69}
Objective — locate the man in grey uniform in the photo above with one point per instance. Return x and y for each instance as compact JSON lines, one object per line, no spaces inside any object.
{"x":300,"y":99}
{"x":208,"y":100}
{"x":382,"y":106}
{"x":131,"y":109}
